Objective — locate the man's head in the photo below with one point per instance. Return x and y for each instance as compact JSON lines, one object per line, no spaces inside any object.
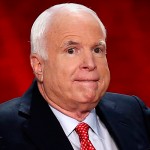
{"x":68,"y":57}
{"x":44,"y":21}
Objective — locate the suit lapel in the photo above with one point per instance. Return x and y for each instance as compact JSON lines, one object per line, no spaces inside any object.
{"x":117,"y":125}
{"x":43,"y":128}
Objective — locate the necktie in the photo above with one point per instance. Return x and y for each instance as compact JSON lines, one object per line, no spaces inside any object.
{"x":82,"y":131}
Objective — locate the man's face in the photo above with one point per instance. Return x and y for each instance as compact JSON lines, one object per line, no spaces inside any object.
{"x":76,"y":73}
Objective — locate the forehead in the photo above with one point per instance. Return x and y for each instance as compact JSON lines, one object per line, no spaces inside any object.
{"x":66,"y":18}
{"x":71,"y":25}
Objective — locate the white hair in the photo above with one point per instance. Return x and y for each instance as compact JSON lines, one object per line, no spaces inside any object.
{"x":38,"y":30}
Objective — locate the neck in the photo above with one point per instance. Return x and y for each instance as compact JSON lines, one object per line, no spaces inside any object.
{"x":78,"y":114}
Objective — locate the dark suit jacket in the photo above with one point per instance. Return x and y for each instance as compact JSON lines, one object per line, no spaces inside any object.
{"x":27,"y":123}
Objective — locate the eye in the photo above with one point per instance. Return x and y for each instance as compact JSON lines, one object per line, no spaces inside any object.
{"x":70,"y":50}
{"x":98,"y":50}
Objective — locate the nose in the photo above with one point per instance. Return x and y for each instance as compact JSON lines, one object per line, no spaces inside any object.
{"x":88,"y":62}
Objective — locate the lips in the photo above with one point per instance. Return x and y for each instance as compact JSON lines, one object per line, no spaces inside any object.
{"x":87,"y":79}
{"x":89,"y":83}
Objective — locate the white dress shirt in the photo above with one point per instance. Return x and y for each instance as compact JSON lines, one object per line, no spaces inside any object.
{"x":98,"y":134}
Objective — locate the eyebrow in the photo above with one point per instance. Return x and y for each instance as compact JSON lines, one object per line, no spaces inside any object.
{"x":100,"y":43}
{"x":103,"y":43}
{"x":68,"y":43}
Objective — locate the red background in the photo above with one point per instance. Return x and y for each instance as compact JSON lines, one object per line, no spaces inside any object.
{"x":128,"y":44}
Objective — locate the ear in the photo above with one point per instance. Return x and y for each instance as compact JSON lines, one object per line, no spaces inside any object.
{"x":37,"y":64}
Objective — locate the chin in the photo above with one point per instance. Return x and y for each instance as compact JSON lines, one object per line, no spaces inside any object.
{"x":87,"y":107}
{"x":89,"y":98}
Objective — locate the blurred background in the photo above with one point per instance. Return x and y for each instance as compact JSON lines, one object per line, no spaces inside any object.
{"x":128,"y":44}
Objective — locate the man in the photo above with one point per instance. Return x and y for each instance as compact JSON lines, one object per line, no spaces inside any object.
{"x":68,"y":96}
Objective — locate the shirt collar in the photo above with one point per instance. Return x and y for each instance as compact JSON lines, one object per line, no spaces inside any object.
{"x":92,"y":121}
{"x":68,"y":124}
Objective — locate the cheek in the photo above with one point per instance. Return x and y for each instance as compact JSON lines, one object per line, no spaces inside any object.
{"x":102,"y":67}
{"x":67,"y":67}
{"x":59,"y":74}
{"x":50,"y":73}
{"x":104,"y":74}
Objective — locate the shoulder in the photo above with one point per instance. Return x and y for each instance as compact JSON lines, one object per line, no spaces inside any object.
{"x":124,"y":103}
{"x":14,"y":106}
{"x":125,"y":108}
{"x":9,"y":109}
{"x":9,"y":106}
{"x":122,"y":99}
{"x":112,"y":96}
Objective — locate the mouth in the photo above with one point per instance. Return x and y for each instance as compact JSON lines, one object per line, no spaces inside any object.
{"x":87,"y":80}
{"x":88,"y":83}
